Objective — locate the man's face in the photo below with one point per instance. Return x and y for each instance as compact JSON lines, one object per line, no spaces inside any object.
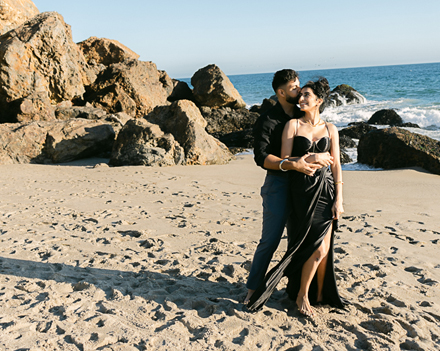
{"x":292,"y":91}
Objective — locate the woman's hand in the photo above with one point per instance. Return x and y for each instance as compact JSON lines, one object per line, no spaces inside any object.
{"x":324,"y":159}
{"x":337,"y":208}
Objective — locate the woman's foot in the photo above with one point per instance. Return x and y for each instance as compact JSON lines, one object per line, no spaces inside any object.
{"x":248,"y":296}
{"x":304,"y":306}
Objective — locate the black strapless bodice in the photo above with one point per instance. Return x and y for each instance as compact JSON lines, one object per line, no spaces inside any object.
{"x":303,"y":145}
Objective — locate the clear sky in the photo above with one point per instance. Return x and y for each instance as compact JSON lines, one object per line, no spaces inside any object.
{"x":254,"y":36}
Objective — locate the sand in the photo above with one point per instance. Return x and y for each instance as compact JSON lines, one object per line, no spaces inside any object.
{"x":139,"y":258}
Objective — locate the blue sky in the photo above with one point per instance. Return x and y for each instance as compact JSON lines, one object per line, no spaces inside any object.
{"x":256,"y":36}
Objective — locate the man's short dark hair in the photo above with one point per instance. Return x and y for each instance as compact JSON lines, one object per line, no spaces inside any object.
{"x":282,"y":77}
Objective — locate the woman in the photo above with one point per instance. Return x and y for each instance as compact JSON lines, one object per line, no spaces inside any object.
{"x":316,"y":206}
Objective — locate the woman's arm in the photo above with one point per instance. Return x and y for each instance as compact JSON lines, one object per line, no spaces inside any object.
{"x":337,"y":208}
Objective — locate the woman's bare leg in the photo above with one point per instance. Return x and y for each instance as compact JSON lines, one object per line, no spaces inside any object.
{"x":320,"y":273}
{"x":308,"y":271}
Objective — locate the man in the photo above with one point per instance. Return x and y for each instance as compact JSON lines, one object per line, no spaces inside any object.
{"x":268,"y":131}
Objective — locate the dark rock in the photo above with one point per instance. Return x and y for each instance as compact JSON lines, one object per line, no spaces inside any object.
{"x":225,"y":120}
{"x":240,"y":139}
{"x":214,"y":89}
{"x":356,"y":130}
{"x":345,"y":158}
{"x":40,"y":56}
{"x":396,"y":147}
{"x":386,"y":117}
{"x":344,"y":95}
{"x":143,"y":143}
{"x":35,"y":107}
{"x":181,"y":91}
{"x":265,"y":106}
{"x":184,"y":120}
{"x":346,"y":142}
{"x":409,"y":125}
{"x":133,"y":87}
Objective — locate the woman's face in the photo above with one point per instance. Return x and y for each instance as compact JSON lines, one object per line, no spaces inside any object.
{"x":308,"y":101}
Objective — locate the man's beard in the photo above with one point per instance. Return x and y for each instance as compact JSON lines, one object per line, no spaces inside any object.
{"x":292,"y":100}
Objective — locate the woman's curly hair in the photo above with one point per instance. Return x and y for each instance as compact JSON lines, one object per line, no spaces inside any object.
{"x":321,"y":89}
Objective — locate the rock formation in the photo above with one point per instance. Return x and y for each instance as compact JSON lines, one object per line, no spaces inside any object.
{"x":40,"y":56}
{"x":185,"y":122}
{"x":54,"y":141}
{"x":132,"y":86}
{"x":396,"y":147}
{"x":213,"y":88}
{"x":14,"y":13}
{"x":345,"y":95}
{"x":143,"y":143}
{"x":103,"y":51}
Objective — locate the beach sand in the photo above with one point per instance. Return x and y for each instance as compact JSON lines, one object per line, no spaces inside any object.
{"x":138,"y":258}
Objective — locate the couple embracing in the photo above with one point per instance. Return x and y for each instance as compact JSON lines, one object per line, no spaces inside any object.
{"x":302,"y":191}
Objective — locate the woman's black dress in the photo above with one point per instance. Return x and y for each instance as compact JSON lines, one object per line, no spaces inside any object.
{"x":312,"y":198}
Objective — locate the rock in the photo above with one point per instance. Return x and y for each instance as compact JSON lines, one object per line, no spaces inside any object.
{"x":120,"y":118}
{"x":396,"y":147}
{"x":346,"y":142}
{"x":214,"y":89}
{"x":143,"y":143}
{"x":22,"y":142}
{"x":14,"y":13}
{"x":225,"y":120}
{"x":35,"y":107}
{"x":386,"y":117}
{"x":345,"y":158}
{"x":344,"y":95}
{"x":133,"y":87}
{"x":78,"y":138}
{"x":356,"y":130}
{"x":103,"y":51}
{"x":166,"y":81}
{"x":54,"y":141}
{"x":409,"y":125}
{"x":185,"y":122}
{"x":86,"y":112}
{"x":240,"y":139}
{"x":265,"y":106}
{"x":40,"y":56}
{"x":181,"y":91}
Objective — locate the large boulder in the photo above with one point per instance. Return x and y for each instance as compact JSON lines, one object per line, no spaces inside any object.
{"x":356,"y":130}
{"x":14,"y":13}
{"x":55,"y":141}
{"x":345,"y":95}
{"x":396,"y":147}
{"x":105,"y":51}
{"x":212,"y":88}
{"x":386,"y":117}
{"x":185,"y":122}
{"x":225,"y":120}
{"x":40,"y":56}
{"x":143,"y":143}
{"x":132,"y":86}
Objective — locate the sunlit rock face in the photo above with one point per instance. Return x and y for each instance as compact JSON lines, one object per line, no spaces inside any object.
{"x":14,"y":13}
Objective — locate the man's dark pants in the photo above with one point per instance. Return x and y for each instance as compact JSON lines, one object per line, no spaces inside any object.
{"x":274,"y":193}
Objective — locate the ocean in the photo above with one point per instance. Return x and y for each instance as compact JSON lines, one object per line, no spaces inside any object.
{"x":412,"y":90}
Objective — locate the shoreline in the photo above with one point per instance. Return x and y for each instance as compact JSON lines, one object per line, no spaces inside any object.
{"x":157,"y":258}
